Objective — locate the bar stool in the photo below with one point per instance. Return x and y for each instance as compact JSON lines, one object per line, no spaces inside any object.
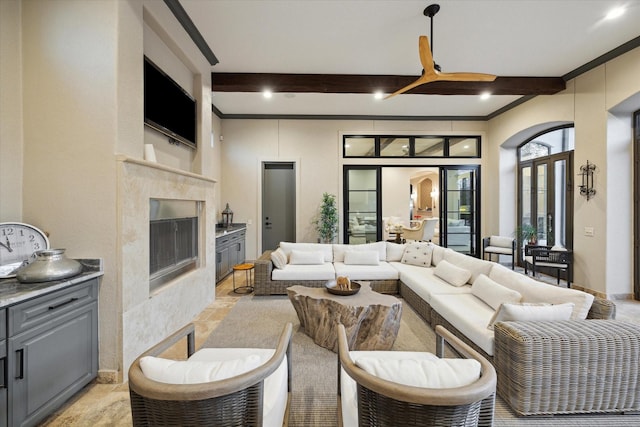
{"x":247,"y":267}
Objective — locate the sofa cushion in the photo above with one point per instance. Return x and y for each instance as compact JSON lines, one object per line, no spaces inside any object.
{"x":535,"y":291}
{"x":452,"y":274}
{"x":469,"y":315}
{"x":325,"y":248}
{"x":418,"y":253}
{"x":437,"y":254}
{"x":279,"y":258}
{"x":493,"y":293}
{"x":474,"y":265}
{"x":382,"y":271}
{"x":395,"y":251}
{"x":306,"y":257}
{"x":439,"y":373}
{"x":361,"y":258}
{"x":532,"y":312}
{"x":424,"y":283}
{"x":340,"y":249}
{"x":305,"y":272}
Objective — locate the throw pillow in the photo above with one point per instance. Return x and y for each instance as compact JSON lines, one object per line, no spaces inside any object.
{"x":195,"y":372}
{"x":494,"y":293}
{"x":532,"y":312}
{"x":361,"y":258}
{"x":279,"y":258}
{"x":418,"y":253}
{"x":306,"y":257}
{"x":451,"y":274}
{"x":395,"y":251}
{"x":439,"y":373}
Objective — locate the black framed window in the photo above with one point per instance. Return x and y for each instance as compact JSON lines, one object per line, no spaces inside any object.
{"x":404,"y":146}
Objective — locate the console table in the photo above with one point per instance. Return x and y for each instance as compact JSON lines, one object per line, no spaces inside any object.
{"x":371,"y":320}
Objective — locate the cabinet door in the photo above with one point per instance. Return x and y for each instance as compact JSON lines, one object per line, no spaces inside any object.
{"x":240,"y":252}
{"x":51,"y":362}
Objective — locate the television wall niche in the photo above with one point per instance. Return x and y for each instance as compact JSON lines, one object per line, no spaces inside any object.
{"x":168,"y":108}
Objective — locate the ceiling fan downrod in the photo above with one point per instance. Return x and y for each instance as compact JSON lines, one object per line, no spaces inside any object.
{"x":430,"y":12}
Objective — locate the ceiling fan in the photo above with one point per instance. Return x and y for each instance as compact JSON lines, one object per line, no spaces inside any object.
{"x":431,"y":70}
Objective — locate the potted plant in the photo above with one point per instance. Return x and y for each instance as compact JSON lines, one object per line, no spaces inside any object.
{"x":327,"y":222}
{"x":528,"y":233}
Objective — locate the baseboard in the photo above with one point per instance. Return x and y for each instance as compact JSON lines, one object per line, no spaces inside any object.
{"x":107,"y":376}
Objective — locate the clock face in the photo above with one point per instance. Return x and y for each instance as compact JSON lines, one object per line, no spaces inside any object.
{"x":18,"y":243}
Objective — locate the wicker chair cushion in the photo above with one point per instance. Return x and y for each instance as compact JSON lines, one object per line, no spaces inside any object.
{"x":275,"y":385}
{"x":452,"y":274}
{"x":494,"y":294}
{"x":361,"y":258}
{"x":501,"y":242}
{"x":440,"y":373}
{"x":348,"y":387}
{"x":192,"y":372}
{"x":532,"y":312}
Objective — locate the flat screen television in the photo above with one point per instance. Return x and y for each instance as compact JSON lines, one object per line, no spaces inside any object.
{"x":168,"y":108}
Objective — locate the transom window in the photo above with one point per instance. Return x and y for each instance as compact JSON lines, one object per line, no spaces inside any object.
{"x":548,"y":143}
{"x":420,"y":146}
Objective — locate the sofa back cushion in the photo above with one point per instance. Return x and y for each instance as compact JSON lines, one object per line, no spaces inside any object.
{"x":538,"y":292}
{"x":325,"y":248}
{"x":395,"y":251}
{"x":361,"y":258}
{"x":340,"y":249}
{"x":492,"y":293}
{"x":279,"y":258}
{"x":474,"y":265}
{"x":437,"y":255}
{"x":451,"y":274}
{"x":306,"y":257}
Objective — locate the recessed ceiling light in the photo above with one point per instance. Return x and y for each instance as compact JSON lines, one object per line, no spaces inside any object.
{"x":378,"y":95}
{"x":484,"y":96}
{"x":616,"y":12}
{"x":267,"y":93}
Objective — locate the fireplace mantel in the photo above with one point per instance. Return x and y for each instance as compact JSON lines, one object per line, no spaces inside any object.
{"x":127,"y":159}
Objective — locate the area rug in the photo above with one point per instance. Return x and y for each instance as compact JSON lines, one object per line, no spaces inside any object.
{"x":257,"y":322}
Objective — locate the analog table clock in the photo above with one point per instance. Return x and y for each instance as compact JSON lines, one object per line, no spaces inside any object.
{"x":18,"y":243}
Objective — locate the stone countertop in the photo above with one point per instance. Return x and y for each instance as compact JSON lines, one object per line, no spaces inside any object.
{"x":13,"y":292}
{"x":223,"y":231}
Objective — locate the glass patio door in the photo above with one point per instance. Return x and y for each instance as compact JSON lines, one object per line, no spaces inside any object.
{"x":546,"y":199}
{"x":460,"y":217}
{"x":362,"y":204}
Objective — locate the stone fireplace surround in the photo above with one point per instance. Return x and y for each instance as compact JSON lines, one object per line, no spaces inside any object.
{"x":145,"y":317}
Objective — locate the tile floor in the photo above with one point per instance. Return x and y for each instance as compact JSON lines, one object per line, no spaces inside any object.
{"x":108,"y":404}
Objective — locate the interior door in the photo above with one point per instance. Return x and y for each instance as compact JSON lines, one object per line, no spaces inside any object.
{"x":460,"y":218}
{"x":278,"y":204}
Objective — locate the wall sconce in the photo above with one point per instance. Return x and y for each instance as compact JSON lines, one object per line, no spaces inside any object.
{"x":586,"y":187}
{"x":434,"y":195}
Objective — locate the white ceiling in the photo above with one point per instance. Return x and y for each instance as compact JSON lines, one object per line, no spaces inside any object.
{"x":542,"y":38}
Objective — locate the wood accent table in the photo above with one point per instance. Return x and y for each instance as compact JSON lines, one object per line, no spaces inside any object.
{"x":371,"y":320}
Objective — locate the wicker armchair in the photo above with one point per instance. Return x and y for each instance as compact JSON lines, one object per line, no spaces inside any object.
{"x":546,"y":257}
{"x":385,"y":403}
{"x":230,"y":402}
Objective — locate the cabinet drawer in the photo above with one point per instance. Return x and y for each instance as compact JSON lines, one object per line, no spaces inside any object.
{"x":48,"y":307}
{"x":221,"y":241}
{"x":3,"y":323}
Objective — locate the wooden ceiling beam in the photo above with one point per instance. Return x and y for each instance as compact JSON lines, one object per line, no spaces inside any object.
{"x":352,"y":83}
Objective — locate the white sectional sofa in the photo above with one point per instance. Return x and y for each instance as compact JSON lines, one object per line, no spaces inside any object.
{"x":505,"y":315}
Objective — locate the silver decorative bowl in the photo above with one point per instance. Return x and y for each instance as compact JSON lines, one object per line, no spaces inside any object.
{"x":50,"y":264}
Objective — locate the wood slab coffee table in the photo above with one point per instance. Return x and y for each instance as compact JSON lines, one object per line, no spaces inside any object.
{"x":371,"y":319}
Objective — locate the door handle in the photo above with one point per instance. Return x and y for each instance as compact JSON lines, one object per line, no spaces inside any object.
{"x":20,"y":364}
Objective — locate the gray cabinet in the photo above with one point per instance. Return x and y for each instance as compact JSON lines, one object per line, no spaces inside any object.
{"x":3,"y":368}
{"x":230,"y":250}
{"x":52,"y":349}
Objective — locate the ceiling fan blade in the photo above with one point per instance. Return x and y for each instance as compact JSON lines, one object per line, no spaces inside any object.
{"x":426,"y":58}
{"x":421,"y":80}
{"x":465,"y":77}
